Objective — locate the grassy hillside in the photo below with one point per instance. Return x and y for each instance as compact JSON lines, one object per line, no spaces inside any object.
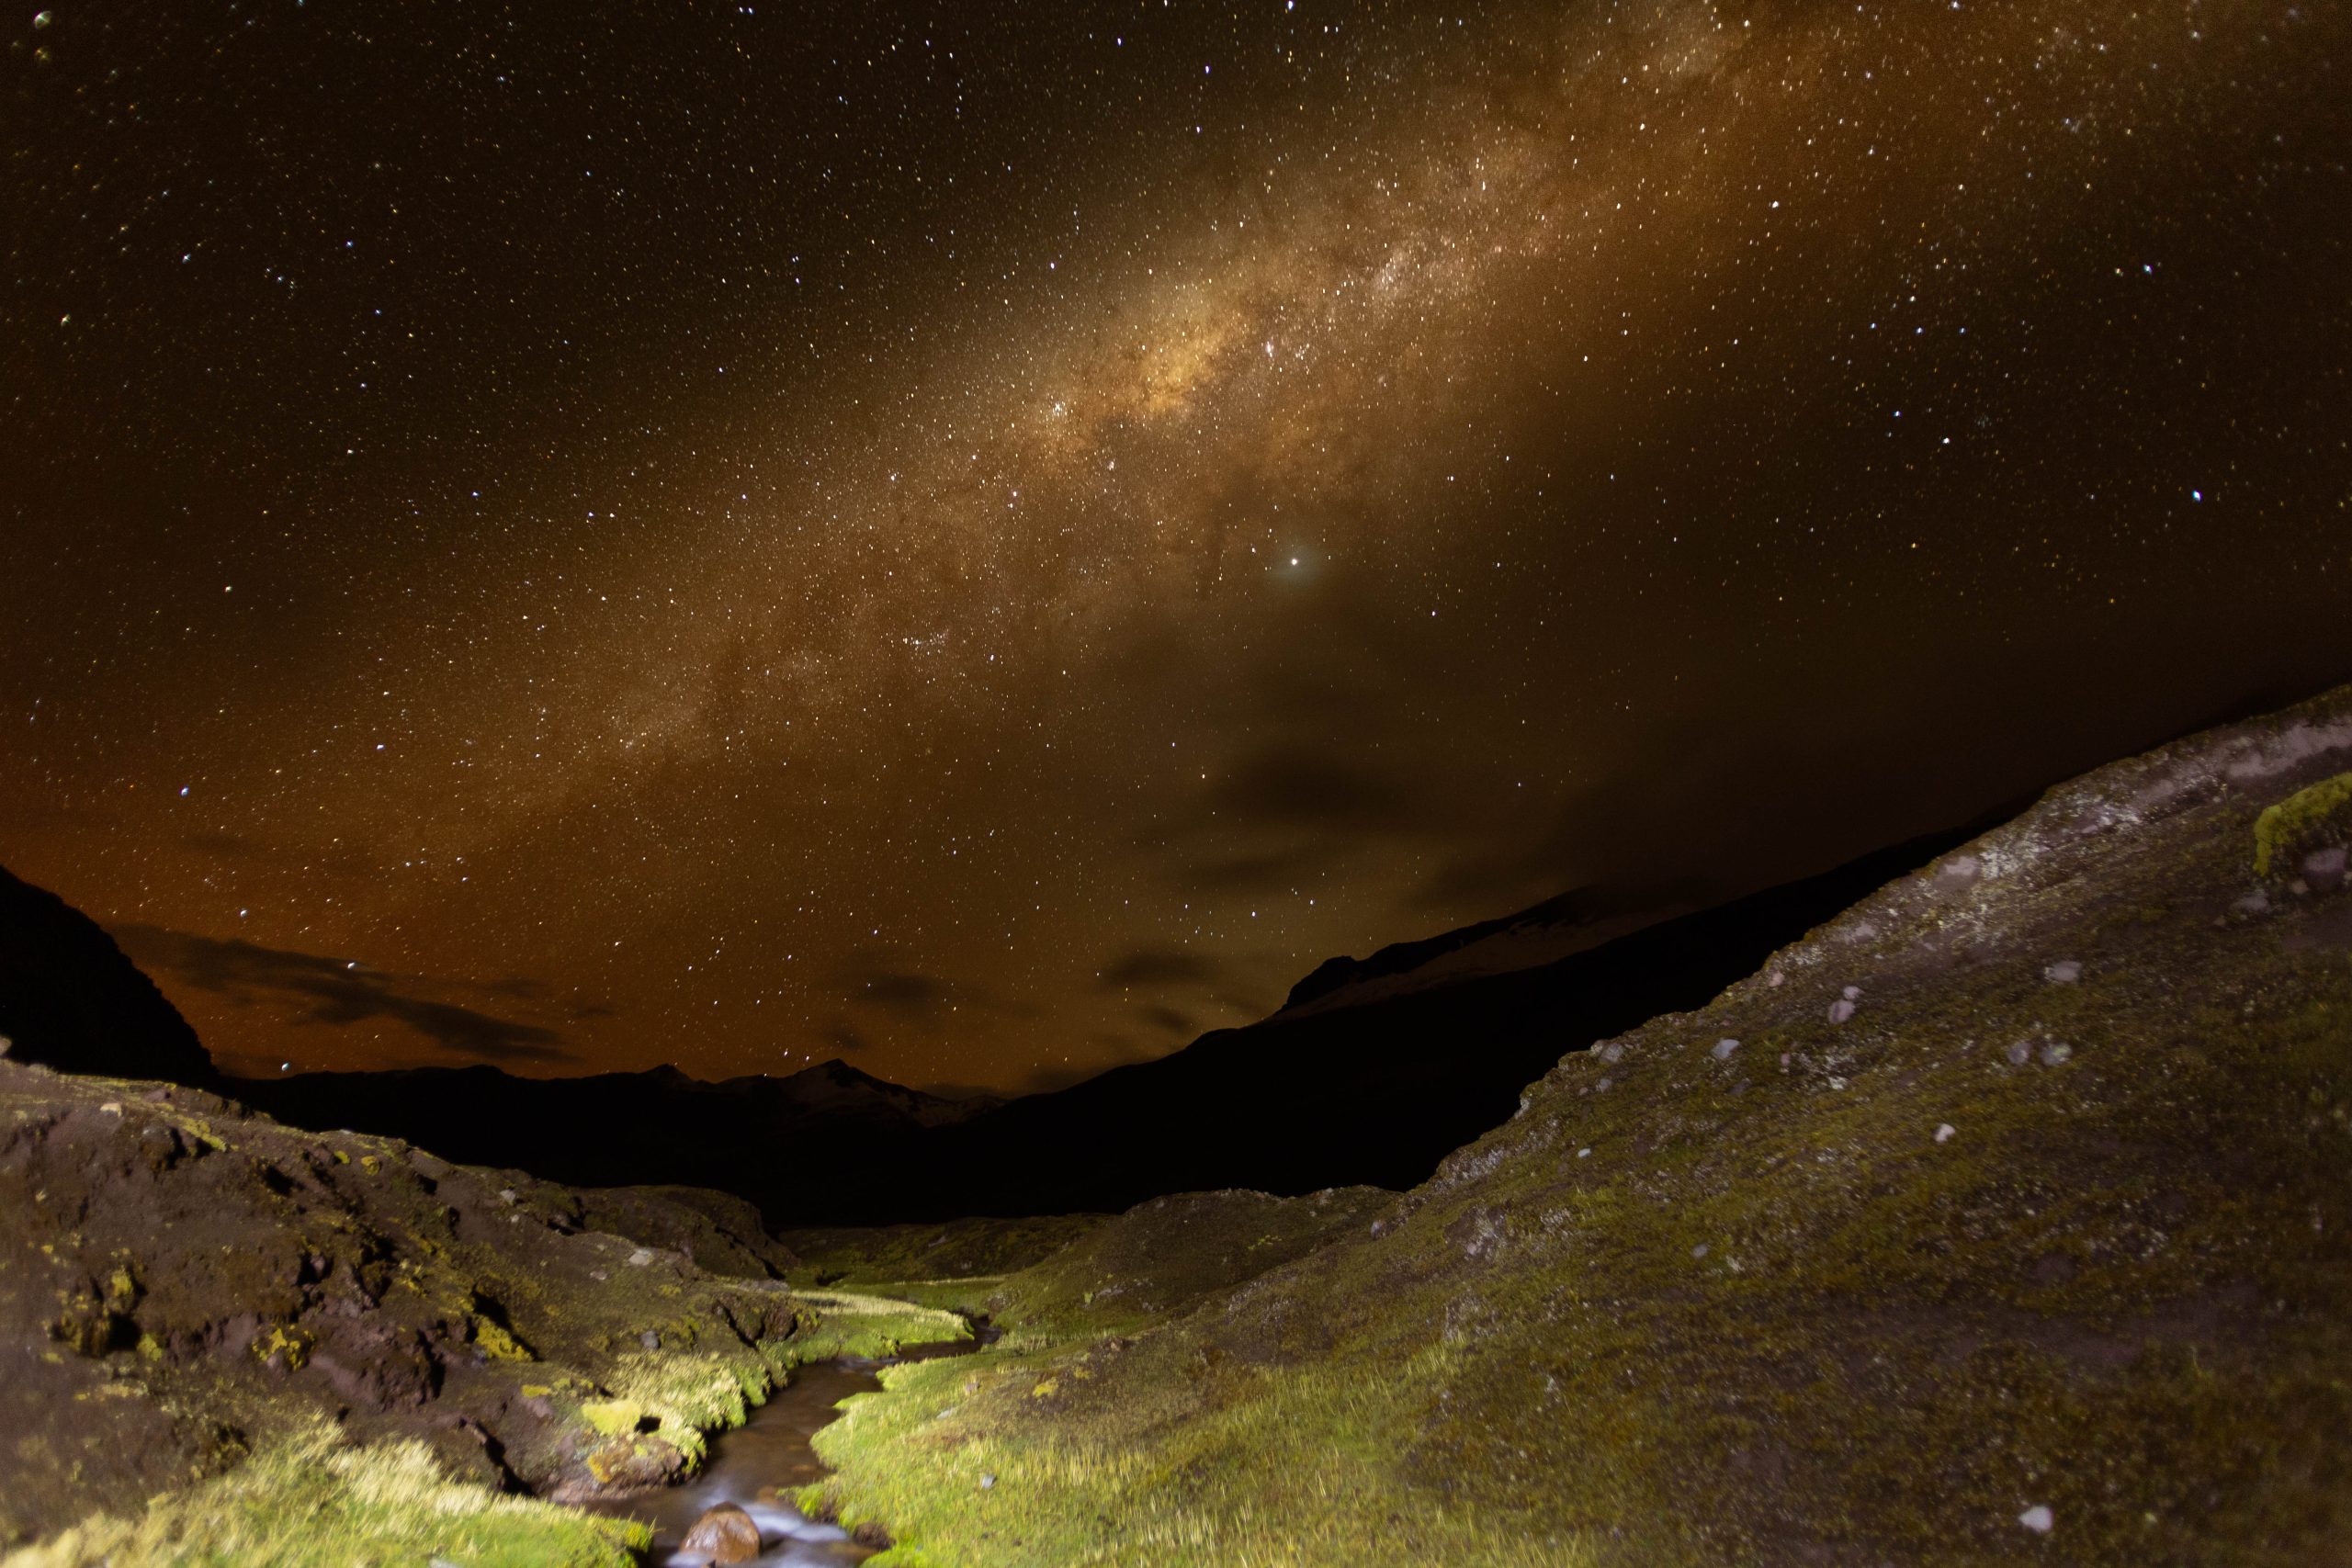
{"x":2005,"y":1219}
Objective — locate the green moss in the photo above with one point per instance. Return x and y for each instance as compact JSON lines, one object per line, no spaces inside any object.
{"x":498,"y":1344}
{"x":287,"y":1345}
{"x":2308,"y":819}
{"x":613,"y":1418}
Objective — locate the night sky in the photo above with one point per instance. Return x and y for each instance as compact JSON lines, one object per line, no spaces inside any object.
{"x":987,"y":539}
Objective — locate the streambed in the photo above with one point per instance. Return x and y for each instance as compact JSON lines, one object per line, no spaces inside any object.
{"x":759,"y":1465}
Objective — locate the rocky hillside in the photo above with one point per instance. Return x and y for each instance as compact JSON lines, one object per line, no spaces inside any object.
{"x":2004,"y":1218}
{"x":315,"y":1349}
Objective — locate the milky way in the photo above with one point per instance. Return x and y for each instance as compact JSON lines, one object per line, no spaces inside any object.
{"x":989,"y":545}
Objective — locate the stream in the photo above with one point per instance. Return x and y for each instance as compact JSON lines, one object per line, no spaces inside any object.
{"x":760,"y":1464}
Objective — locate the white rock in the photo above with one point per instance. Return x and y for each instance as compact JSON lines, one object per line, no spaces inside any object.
{"x":1724,"y":1048}
{"x":1840,"y":1011}
{"x":640,"y":1258}
{"x":1946,"y":1133}
{"x":2055,"y":1053}
{"x":2039,"y":1519}
{"x":1700,"y":1250}
{"x":2065,"y":972}
{"x":2019,"y":1054}
{"x":2254,"y":903}
{"x":1853,"y":993}
{"x":1584,"y":1154}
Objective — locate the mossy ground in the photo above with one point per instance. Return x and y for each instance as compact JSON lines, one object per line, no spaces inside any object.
{"x":2060,"y":1217}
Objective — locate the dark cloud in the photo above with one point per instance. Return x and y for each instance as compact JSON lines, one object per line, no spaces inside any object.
{"x":1160,"y":966}
{"x":1168,"y":1019}
{"x":844,"y":1036}
{"x":520,"y":986}
{"x":337,"y":992}
{"x":905,"y":993}
{"x":904,"y":990}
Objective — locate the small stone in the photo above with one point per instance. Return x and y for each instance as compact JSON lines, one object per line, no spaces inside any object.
{"x":1853,"y":993}
{"x":1779,"y":978}
{"x":2019,"y":1054}
{"x":1601,"y":1086}
{"x":508,"y":1195}
{"x":2063,"y":972}
{"x":1700,"y":1250}
{"x":650,"y":1340}
{"x":640,"y":1258}
{"x":1584,"y":1154}
{"x":2054,"y":1054}
{"x":1945,"y":1132}
{"x":2254,"y":903}
{"x":723,"y":1534}
{"x":1840,"y":1011}
{"x":987,"y":1481}
{"x":1839,"y":1084}
{"x":1724,"y":1048}
{"x":1612,"y":1052}
{"x":2039,"y":1519}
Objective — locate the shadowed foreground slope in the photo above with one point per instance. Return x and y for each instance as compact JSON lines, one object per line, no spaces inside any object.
{"x":2007,"y":1218}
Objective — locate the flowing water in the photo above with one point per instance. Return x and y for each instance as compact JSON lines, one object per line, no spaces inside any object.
{"x":759,"y":1466}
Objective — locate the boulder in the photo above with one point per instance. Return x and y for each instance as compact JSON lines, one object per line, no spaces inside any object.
{"x":724,"y":1534}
